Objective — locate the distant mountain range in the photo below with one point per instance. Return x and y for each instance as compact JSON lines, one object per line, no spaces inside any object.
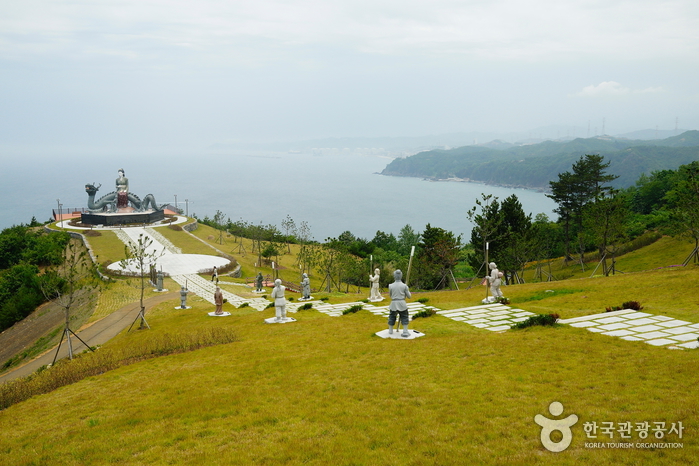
{"x":534,"y":165}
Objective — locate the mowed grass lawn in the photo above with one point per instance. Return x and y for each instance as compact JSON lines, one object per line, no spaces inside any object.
{"x":325,"y":390}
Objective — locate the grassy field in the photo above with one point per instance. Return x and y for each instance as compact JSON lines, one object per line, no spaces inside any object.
{"x":325,"y":390}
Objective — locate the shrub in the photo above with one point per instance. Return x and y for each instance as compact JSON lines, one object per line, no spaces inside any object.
{"x":93,"y":233}
{"x":244,"y":305}
{"x":291,"y":298}
{"x":424,"y":313}
{"x":352,"y":310}
{"x":423,"y":300}
{"x":324,"y":298}
{"x":305,"y":307}
{"x":270,"y":305}
{"x":175,"y":227}
{"x":635,"y":305}
{"x":541,"y":319}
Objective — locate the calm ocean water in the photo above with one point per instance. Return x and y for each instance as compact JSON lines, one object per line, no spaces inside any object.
{"x":331,"y":193}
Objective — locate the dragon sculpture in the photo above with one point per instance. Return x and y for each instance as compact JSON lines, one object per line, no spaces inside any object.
{"x":108,"y":202}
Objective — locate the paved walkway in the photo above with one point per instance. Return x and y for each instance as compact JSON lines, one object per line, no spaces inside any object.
{"x":640,"y":326}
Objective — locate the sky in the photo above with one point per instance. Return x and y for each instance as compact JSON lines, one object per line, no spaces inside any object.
{"x":153,"y":74}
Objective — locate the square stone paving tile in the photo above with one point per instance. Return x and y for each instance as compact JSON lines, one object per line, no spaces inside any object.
{"x":641,"y":321}
{"x":460,"y":319}
{"x":520,"y":319}
{"x":522,"y":314}
{"x":660,"y":342}
{"x":690,"y":345}
{"x":499,"y":313}
{"x":662,"y":318}
{"x":480,"y":315}
{"x":615,"y":326}
{"x":498,"y":329}
{"x":631,"y":338}
{"x":595,"y":329}
{"x":685,"y":337}
{"x":481,"y":325}
{"x":476,"y":321}
{"x":646,"y":328}
{"x":651,"y":335}
{"x":674,"y":323}
{"x":583,"y":324}
{"x":679,"y":330}
{"x":610,"y":320}
{"x":694,"y":325}
{"x":618,"y":333}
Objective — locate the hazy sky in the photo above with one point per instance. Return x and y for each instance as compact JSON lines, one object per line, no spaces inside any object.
{"x":152,"y":73}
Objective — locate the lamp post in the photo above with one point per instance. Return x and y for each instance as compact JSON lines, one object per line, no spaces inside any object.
{"x":186,"y":206}
{"x":176,"y":209}
{"x":60,"y":213}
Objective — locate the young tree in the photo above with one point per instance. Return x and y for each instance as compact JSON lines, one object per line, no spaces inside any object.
{"x":139,"y":257}
{"x":605,"y":221}
{"x":513,"y":244}
{"x":71,"y":285}
{"x":438,"y":253}
{"x":573,"y":191}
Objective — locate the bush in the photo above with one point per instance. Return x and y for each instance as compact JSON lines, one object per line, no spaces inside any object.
{"x":635,"y":305}
{"x":424,"y":313}
{"x":423,"y":300}
{"x":305,"y":307}
{"x":244,"y":305}
{"x":324,"y":298}
{"x":175,"y":227}
{"x":352,"y":310}
{"x":270,"y":305}
{"x":541,"y":319}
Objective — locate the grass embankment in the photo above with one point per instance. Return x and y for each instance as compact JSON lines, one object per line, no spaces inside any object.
{"x":324,"y":390}
{"x":665,"y":252}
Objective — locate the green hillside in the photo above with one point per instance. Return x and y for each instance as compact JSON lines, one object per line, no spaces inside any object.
{"x":325,"y":390}
{"x":535,"y":165}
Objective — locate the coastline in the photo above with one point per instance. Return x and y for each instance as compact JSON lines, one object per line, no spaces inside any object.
{"x":538,"y":189}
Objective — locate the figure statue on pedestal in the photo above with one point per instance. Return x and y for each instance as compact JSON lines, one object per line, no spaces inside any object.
{"x":495,"y":280}
{"x":399,"y":292}
{"x":218,"y":301}
{"x":374,"y":294}
{"x":160,"y":280}
{"x":122,"y":190}
{"x":306,"y":288}
{"x":279,"y":300}
{"x":183,"y":297}
{"x":258,"y":282}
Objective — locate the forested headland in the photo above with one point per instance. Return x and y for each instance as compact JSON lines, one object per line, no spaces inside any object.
{"x":533,"y":166}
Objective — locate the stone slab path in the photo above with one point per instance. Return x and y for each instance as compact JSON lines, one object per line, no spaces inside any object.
{"x":626,"y":324}
{"x":640,"y":326}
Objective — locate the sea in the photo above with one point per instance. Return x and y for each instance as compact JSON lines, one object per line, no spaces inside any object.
{"x":331,"y":193}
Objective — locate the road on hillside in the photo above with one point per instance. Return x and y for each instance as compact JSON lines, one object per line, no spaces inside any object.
{"x":93,"y":334}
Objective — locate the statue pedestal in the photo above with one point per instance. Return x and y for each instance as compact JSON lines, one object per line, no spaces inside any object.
{"x":111,"y":219}
{"x":273,"y":320}
{"x":396,"y":335}
{"x":376,"y":300}
{"x":305,"y":299}
{"x":213,"y":314}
